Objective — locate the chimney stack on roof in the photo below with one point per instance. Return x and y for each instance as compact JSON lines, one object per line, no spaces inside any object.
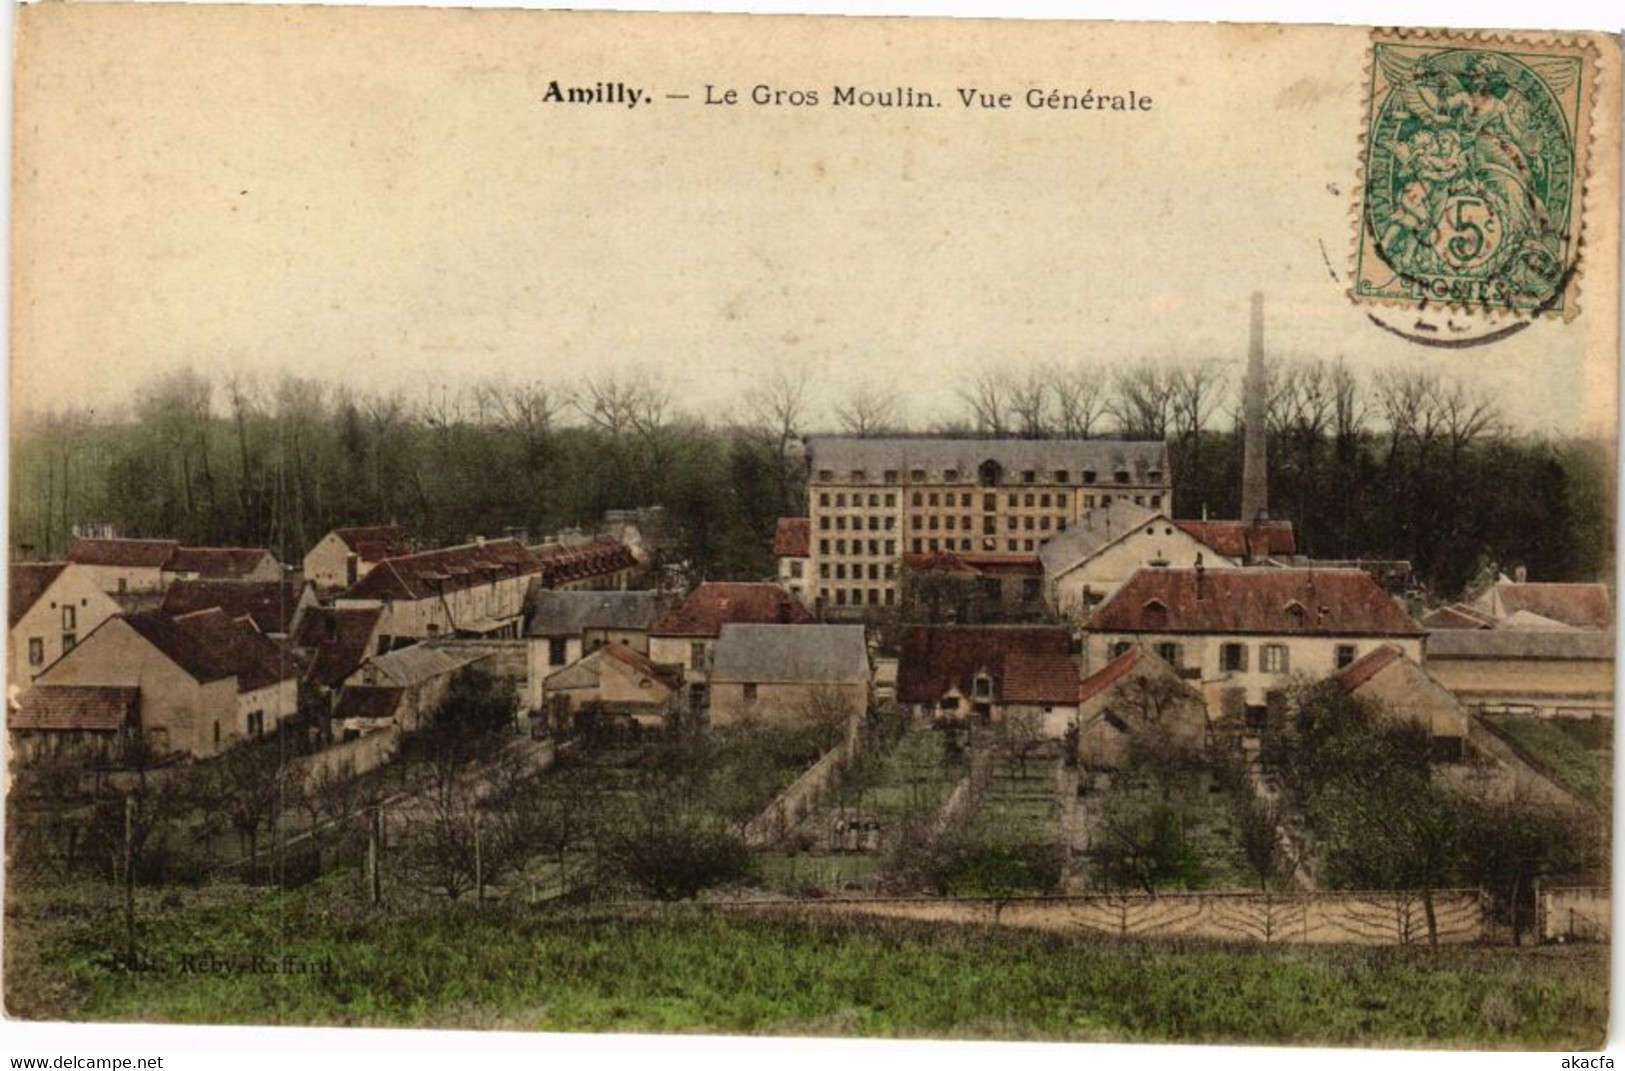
{"x":1255,"y":461}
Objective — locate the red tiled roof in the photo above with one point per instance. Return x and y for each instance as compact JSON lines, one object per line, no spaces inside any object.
{"x":1580,"y":605}
{"x":1028,"y":664}
{"x":564,"y":565}
{"x":1455,"y":617}
{"x":29,"y":581}
{"x":710,"y":606}
{"x":339,"y":637}
{"x":270,"y":604}
{"x":793,"y":538}
{"x":1356,"y":674}
{"x":640,"y":662}
{"x":1238,"y":539}
{"x":210,"y":645}
{"x":430,"y":573}
{"x":128,"y":553}
{"x":964,"y":563}
{"x":1340,"y":602}
{"x":373,"y":543}
{"x":367,"y":701}
{"x":219,"y":563}
{"x":77,"y":707}
{"x":1108,"y":675}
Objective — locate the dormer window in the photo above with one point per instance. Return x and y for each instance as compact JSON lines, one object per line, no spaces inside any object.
{"x":950,"y":476}
{"x":1121,"y":476}
{"x":1029,"y":476}
{"x":984,"y":686}
{"x":890,"y":476}
{"x":826,"y":474}
{"x":917,"y":475}
{"x":1062,"y":476}
{"x":989,"y":472}
{"x":1295,"y":614}
{"x":1088,"y":476}
{"x":1156,"y":614}
{"x":1154,"y":475}
{"x":858,"y":475}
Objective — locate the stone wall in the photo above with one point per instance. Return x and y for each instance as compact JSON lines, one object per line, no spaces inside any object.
{"x":1573,"y":912}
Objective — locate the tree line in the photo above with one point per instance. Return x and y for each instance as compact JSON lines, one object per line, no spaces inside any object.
{"x":1399,"y":465}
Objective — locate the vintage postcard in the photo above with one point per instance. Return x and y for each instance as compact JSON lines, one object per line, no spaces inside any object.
{"x":873,"y":527}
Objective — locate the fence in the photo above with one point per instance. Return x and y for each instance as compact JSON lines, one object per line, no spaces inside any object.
{"x":1359,"y":918}
{"x":1573,"y":912}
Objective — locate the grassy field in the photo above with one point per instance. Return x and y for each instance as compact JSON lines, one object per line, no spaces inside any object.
{"x":688,"y":970}
{"x":1577,"y":753}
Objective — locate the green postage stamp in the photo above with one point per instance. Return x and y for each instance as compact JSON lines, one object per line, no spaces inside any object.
{"x":1473,"y":170}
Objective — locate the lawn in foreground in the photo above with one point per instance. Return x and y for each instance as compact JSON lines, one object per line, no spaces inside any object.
{"x":685,"y":970}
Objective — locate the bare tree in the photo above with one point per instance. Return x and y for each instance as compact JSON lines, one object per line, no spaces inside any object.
{"x":1142,"y":401}
{"x":988,"y":400}
{"x":1030,"y":404}
{"x":778,"y":404}
{"x":1080,"y":397}
{"x":867,"y":411}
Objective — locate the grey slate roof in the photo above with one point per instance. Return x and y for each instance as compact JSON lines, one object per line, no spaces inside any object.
{"x":1094,"y":531}
{"x":1587,"y":645}
{"x":791,"y":654}
{"x":843,"y":455}
{"x":569,"y":613}
{"x":413,"y":665}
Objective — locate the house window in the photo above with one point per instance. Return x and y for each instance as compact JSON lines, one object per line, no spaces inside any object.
{"x":69,"y":640}
{"x":70,"y":620}
{"x":216,"y":734}
{"x":256,"y":723}
{"x":1121,"y":648}
{"x":1156,"y":501}
{"x":1233,"y":658}
{"x":1274,"y":658}
{"x":1169,"y":653}
{"x":555,"y":652}
{"x":36,"y":651}
{"x":795,"y":570}
{"x":950,"y":703}
{"x":123,"y":585}
{"x":696,"y":654}
{"x":750,"y":692}
{"x":1345,"y":654}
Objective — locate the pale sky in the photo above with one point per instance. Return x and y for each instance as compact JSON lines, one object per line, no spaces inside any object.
{"x":383,"y":199}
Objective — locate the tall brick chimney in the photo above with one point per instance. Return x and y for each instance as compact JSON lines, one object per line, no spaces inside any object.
{"x":1255,"y":501}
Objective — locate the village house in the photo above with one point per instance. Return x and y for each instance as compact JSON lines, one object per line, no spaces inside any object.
{"x":275,"y":606}
{"x":84,"y":722}
{"x":51,"y":606}
{"x":1243,"y":542}
{"x":245,"y":564}
{"x":686,"y":636}
{"x":790,"y":549}
{"x":596,"y":565}
{"x":985,"y":673}
{"x":790,"y":674}
{"x":1517,"y":603}
{"x":1086,"y":564}
{"x":333,"y":642}
{"x":124,"y":566}
{"x":615,"y":679}
{"x":1137,"y":696}
{"x":423,"y":673}
{"x":1394,"y":686}
{"x":343,"y":556}
{"x":972,"y":588}
{"x":1547,"y":672}
{"x":870,"y":501}
{"x":1242,"y":633}
{"x":205,"y":680}
{"x":563,"y":626}
{"x":477,"y":589}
